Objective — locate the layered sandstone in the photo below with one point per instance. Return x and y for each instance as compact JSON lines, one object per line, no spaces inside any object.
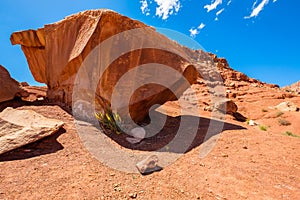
{"x":56,"y":52}
{"x":21,"y":127}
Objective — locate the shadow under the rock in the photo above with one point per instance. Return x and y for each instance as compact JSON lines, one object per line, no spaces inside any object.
{"x":44,"y":146}
{"x":190,"y":138}
{"x":17,"y":102}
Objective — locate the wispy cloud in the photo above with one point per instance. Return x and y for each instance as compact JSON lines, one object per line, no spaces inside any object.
{"x":144,"y":7}
{"x":218,"y":13}
{"x":229,"y":2}
{"x":214,"y":4}
{"x":164,"y":8}
{"x":167,"y":8}
{"x":194,"y":32}
{"x":257,"y":9}
{"x":201,"y":26}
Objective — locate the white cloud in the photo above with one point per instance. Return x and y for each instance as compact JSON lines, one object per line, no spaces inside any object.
{"x":218,"y":13}
{"x":213,"y":5}
{"x":144,"y":7}
{"x":201,"y":26}
{"x":193,"y":32}
{"x":229,"y":2}
{"x":196,"y":31}
{"x":274,"y":1}
{"x":167,"y":7}
{"x":254,"y":4}
{"x":256,"y":10}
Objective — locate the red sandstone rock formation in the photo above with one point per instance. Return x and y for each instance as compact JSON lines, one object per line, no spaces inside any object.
{"x":56,"y":52}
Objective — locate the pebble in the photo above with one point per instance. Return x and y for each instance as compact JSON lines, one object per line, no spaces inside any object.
{"x":133,"y":195}
{"x":138,"y":134}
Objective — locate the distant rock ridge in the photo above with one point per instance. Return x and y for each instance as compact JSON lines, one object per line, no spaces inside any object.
{"x":295,"y":88}
{"x":228,"y":74}
{"x":9,"y":87}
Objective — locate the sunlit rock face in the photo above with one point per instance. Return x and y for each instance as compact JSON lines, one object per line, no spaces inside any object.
{"x":9,"y":88}
{"x":57,"y":52}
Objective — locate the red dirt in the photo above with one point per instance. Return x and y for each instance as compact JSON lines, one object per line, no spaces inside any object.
{"x":245,"y":164}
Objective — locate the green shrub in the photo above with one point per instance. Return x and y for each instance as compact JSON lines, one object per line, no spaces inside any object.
{"x":247,"y":121}
{"x":288,"y":133}
{"x":263,"y":127}
{"x":110,"y":120}
{"x":283,"y":122}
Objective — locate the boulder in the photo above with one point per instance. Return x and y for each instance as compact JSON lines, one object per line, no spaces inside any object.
{"x":21,"y":127}
{"x":148,"y":165}
{"x":55,"y":54}
{"x":9,"y":87}
{"x":226,"y":106}
{"x":287,"y":106}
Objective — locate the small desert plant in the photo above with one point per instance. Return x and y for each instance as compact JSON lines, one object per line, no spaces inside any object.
{"x":288,"y":133}
{"x":263,"y":127}
{"x":283,"y":122}
{"x":247,"y":121}
{"x":110,"y":120}
{"x":278,"y":114}
{"x":264,"y":110}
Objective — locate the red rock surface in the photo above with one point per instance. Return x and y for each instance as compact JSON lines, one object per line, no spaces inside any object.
{"x":246,"y":163}
{"x":55,"y":54}
{"x":295,"y":88}
{"x":35,"y":93}
{"x":9,"y":87}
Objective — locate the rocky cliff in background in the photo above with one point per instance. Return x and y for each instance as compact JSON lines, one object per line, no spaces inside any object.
{"x":9,"y":87}
{"x":294,"y":88}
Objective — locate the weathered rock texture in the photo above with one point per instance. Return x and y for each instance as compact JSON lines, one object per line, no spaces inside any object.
{"x":226,"y":106}
{"x":295,"y":88}
{"x":34,"y":93}
{"x":287,"y":106}
{"x":21,"y":127}
{"x":9,"y":88}
{"x":55,"y":54}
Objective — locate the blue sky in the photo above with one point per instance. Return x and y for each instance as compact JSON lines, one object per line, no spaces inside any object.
{"x":258,"y":37}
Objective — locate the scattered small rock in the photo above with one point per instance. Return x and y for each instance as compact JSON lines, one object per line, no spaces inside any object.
{"x":133,"y":195}
{"x":208,"y":108}
{"x":253,"y":123}
{"x":148,"y":165}
{"x":138,"y":135}
{"x":224,"y":155}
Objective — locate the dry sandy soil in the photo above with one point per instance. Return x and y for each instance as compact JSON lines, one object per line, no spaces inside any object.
{"x":246,"y":163}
